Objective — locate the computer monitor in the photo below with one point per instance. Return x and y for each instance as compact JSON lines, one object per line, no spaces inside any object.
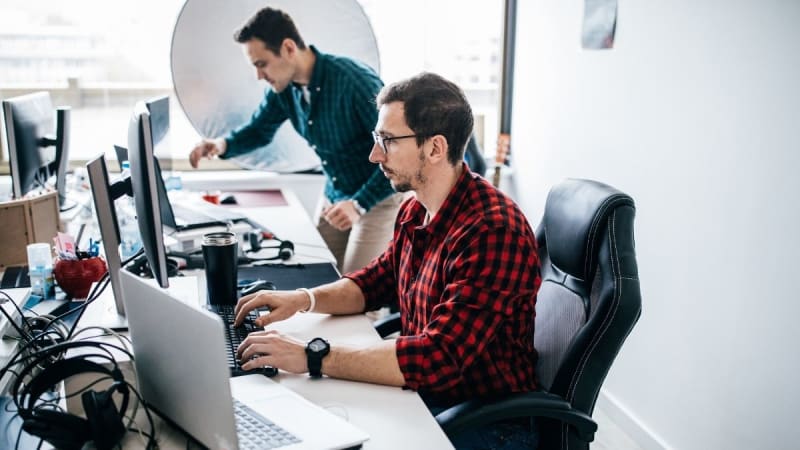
{"x":158,"y":108}
{"x":145,"y":192}
{"x":104,"y":193}
{"x":36,"y":151}
{"x":141,"y":185}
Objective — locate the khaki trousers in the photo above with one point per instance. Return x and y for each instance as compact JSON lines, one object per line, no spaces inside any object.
{"x":368,"y":238}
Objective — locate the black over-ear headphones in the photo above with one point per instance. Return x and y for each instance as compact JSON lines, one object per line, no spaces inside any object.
{"x":285,"y":249}
{"x":103,"y":423}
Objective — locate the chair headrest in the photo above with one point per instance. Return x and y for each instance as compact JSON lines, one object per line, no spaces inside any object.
{"x":575,"y":214}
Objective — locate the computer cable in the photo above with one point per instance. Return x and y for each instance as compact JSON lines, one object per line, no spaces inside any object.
{"x":105,"y":421}
{"x":13,"y":323}
{"x":94,"y":294}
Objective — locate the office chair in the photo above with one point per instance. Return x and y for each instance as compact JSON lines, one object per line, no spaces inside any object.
{"x":474,"y":157}
{"x":587,"y":305}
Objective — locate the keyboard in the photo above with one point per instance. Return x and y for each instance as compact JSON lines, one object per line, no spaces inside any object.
{"x":15,"y":277}
{"x":257,"y":432}
{"x":234,"y":337}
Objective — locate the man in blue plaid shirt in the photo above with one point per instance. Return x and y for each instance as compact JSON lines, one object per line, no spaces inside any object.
{"x":330,"y":101}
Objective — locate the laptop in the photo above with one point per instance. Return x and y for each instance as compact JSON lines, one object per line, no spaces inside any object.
{"x":182,"y":374}
{"x":191,"y":215}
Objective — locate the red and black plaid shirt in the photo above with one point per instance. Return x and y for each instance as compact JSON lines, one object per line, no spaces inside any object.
{"x":466,"y":286}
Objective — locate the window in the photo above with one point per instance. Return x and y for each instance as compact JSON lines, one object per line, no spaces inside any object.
{"x":458,"y":39}
{"x":100,"y":57}
{"x":97,"y":57}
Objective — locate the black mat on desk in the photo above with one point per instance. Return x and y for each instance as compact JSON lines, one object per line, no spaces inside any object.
{"x":15,"y":277}
{"x":291,"y":276}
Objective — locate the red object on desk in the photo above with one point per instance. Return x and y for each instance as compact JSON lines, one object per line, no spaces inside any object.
{"x":75,"y":276}
{"x":212,"y":197}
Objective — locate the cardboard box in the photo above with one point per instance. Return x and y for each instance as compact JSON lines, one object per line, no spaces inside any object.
{"x":24,"y":222}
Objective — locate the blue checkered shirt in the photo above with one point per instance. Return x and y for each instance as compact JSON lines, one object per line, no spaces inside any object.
{"x":337,"y":125}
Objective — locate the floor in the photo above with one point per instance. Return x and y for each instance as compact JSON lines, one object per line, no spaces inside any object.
{"x":609,"y":436}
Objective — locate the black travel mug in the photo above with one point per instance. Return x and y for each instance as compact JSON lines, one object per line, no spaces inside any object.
{"x":220,"y":254}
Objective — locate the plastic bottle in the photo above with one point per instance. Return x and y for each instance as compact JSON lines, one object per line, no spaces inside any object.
{"x":40,"y":270}
{"x":173,"y":182}
{"x":130,"y":241}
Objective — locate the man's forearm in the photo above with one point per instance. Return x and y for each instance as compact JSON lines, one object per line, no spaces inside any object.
{"x":341,"y":297}
{"x":377,"y":364}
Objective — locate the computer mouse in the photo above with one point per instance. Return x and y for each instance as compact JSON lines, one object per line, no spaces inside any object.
{"x":267,"y":371}
{"x":256,"y":286}
{"x":228,"y":199}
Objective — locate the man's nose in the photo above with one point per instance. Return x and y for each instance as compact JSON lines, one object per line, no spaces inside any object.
{"x":376,"y":154}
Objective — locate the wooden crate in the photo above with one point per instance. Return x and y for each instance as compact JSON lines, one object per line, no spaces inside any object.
{"x":25,"y":222}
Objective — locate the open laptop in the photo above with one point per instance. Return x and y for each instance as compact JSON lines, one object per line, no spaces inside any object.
{"x":189,"y":216}
{"x":182,"y":374}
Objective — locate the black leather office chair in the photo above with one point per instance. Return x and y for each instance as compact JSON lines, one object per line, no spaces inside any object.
{"x":587,"y":305}
{"x":474,"y":157}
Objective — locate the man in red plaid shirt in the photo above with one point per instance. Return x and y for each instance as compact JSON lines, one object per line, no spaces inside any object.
{"x":462,"y":268}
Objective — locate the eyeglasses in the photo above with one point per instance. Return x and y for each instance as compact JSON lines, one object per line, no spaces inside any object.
{"x":384,"y":141}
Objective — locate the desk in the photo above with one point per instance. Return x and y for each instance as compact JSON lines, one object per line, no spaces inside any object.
{"x":394,"y":418}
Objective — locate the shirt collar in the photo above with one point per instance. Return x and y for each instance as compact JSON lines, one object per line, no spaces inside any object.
{"x":450,"y":210}
{"x":318,"y":73}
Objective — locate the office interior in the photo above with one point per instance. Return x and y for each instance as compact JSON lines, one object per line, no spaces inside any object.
{"x":694,"y":113}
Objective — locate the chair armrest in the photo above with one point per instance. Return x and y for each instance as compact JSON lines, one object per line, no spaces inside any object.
{"x":388,"y":325}
{"x":475,"y":413}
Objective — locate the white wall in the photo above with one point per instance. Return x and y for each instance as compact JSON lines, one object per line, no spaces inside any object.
{"x":696,"y":114}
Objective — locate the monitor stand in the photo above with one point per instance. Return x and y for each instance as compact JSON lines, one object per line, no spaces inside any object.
{"x":103,"y":313}
{"x":67,"y":205}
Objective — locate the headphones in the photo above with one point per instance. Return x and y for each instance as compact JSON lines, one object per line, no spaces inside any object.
{"x":103,"y":423}
{"x":285,"y":248}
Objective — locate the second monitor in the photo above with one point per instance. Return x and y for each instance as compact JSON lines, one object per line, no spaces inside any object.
{"x":38,"y":145}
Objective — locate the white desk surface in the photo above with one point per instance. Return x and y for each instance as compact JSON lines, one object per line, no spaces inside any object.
{"x":394,"y":418}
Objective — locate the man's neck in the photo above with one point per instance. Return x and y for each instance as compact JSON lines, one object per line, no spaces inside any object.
{"x":435,"y":192}
{"x":305,"y":66}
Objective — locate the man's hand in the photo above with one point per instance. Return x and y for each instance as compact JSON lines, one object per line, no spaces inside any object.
{"x":281,"y":304}
{"x":207,"y":148}
{"x":271,"y":348}
{"x":342,"y":215}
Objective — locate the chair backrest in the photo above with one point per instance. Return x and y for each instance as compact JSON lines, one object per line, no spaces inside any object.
{"x":474,"y":156}
{"x":589,"y":299}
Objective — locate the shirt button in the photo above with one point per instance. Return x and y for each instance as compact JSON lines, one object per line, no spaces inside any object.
{"x":324,"y":163}
{"x":333,"y":179}
{"x":319,"y":88}
{"x":310,"y":122}
{"x":314,"y":147}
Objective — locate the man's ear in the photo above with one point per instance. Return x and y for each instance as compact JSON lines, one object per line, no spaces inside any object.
{"x":438,"y":149}
{"x":289,"y":46}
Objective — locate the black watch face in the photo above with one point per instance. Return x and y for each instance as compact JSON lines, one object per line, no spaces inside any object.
{"x":316,"y":345}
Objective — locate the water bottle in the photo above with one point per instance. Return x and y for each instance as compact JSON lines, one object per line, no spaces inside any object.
{"x":130,"y":241}
{"x":40,"y":270}
{"x":173,"y":182}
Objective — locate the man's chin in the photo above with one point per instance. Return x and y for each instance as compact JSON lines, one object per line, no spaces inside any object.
{"x":400,"y":187}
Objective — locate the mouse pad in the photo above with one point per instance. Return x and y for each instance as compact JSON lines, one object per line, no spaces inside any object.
{"x":289,"y":277}
{"x":272,"y":197}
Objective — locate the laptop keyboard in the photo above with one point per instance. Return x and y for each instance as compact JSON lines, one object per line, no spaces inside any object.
{"x":257,"y":432}
{"x":235,"y":335}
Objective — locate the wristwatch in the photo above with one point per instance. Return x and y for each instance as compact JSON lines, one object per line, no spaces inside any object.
{"x":316,"y":349}
{"x":359,"y":209}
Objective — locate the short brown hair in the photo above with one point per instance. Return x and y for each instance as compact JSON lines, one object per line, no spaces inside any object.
{"x":271,"y":26}
{"x":433,"y":105}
